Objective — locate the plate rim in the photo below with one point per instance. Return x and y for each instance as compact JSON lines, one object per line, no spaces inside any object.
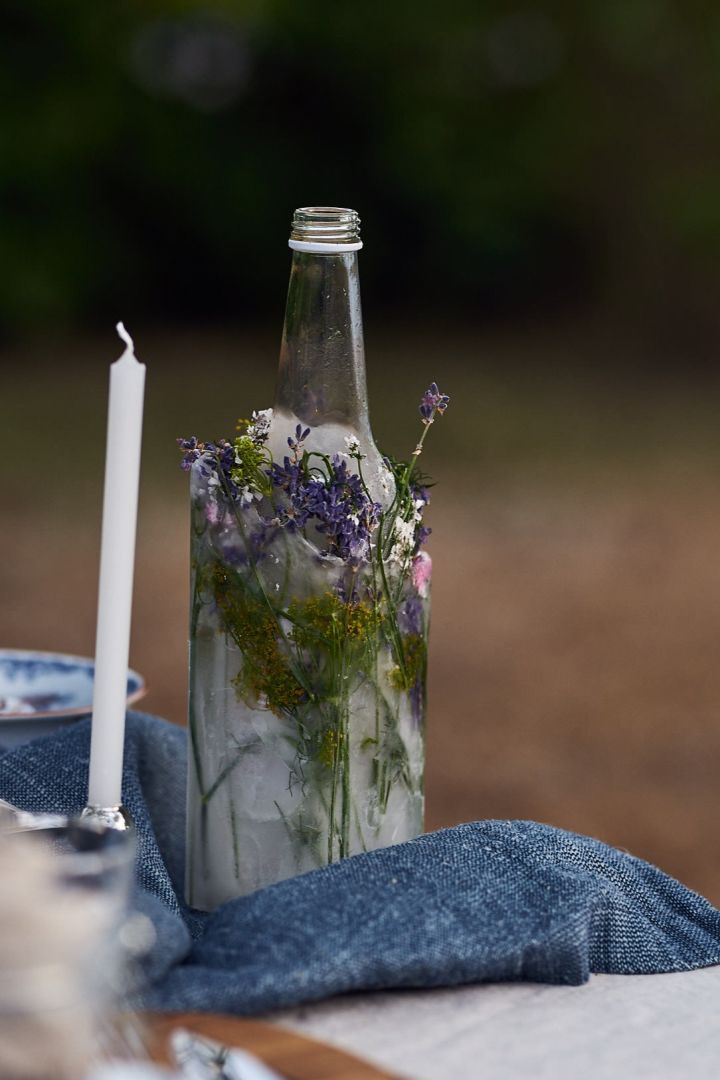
{"x":77,"y":710}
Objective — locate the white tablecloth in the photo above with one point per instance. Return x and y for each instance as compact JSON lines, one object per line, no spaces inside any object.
{"x":657,"y":1027}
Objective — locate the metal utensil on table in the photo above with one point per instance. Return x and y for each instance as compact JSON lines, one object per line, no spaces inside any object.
{"x":199,"y":1058}
{"x":11,"y":817}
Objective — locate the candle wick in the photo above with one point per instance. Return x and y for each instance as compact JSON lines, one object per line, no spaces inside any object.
{"x":124,"y":336}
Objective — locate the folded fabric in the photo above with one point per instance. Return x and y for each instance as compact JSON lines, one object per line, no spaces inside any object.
{"x":486,"y":901}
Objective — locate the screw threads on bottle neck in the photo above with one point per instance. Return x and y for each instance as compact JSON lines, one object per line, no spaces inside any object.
{"x":325,"y":230}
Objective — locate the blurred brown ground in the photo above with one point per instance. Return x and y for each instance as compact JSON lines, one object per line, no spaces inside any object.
{"x":576,"y":614}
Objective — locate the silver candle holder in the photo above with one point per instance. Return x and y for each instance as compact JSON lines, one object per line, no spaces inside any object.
{"x":110,"y":817}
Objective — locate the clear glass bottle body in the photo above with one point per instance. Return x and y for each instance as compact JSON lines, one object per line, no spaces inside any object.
{"x":321,"y":375}
{"x":307,"y":670}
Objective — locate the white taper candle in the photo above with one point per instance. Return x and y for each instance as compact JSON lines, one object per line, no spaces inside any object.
{"x":117,"y":563}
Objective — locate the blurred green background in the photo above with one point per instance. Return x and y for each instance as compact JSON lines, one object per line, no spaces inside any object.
{"x":539,"y":185}
{"x":507,"y":158}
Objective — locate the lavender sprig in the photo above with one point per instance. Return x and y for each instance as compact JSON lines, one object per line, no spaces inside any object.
{"x":433,"y":404}
{"x":209,"y":455}
{"x":404,"y":513}
{"x":335,"y":503}
{"x":433,"y":401}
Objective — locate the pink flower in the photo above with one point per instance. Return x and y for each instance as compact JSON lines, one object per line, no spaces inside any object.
{"x":422,"y":573}
{"x":212,"y":512}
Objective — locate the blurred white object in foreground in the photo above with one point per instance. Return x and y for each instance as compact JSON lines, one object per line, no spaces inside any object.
{"x":48,"y":1018}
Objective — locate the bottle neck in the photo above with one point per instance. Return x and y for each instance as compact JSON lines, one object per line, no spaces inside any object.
{"x":321,"y":377}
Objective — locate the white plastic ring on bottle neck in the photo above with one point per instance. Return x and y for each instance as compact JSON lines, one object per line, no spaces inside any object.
{"x":314,"y":248}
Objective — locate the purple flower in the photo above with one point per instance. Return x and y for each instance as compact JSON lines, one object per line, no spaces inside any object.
{"x":337,"y":506}
{"x":296,"y":443}
{"x":421,"y":499}
{"x":192,"y":450}
{"x":433,"y":401}
{"x":410,"y":616}
{"x":215,"y":459}
{"x":421,"y":537}
{"x":334,"y":504}
{"x":212,"y":513}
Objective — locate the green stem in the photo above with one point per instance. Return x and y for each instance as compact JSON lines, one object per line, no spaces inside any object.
{"x":333,"y":796}
{"x":192,"y":720}
{"x":236,"y":839}
{"x":395,"y":634}
{"x":402,"y":493}
{"x":207,"y":796}
{"x":345,"y":849}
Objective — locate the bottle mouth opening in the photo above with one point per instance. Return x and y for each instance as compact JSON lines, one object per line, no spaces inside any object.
{"x":329,"y":226}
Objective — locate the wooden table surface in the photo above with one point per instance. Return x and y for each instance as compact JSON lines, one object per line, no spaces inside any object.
{"x":293,"y":1055}
{"x":648,"y":1027}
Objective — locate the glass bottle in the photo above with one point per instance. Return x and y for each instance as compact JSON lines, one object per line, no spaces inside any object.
{"x":309,"y":611}
{"x":321,"y":381}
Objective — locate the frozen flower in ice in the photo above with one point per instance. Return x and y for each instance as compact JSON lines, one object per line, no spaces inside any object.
{"x":358,"y":550}
{"x":337,"y":505}
{"x":410,"y":615}
{"x":318,"y":495}
{"x":248,"y":459}
{"x":420,"y":499}
{"x":259,"y":427}
{"x":421,"y":536}
{"x":418,"y":507}
{"x":212,"y":512}
{"x":422,"y":573}
{"x":214,"y":460}
{"x":404,"y":540}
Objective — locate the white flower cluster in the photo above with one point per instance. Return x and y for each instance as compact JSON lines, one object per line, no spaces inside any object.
{"x":259,"y":427}
{"x":404,"y":537}
{"x":404,"y":533}
{"x":353,"y":444}
{"x":247,"y":496}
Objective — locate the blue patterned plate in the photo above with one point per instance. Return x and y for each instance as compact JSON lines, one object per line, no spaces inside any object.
{"x":40,"y":692}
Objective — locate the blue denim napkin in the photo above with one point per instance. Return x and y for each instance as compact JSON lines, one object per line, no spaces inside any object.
{"x":486,"y":901}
